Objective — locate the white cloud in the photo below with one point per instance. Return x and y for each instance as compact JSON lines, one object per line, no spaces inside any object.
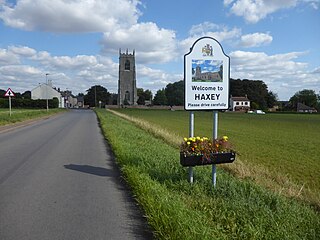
{"x":22,"y":51}
{"x":313,"y":3}
{"x":155,"y":79}
{"x":70,"y":16}
{"x":8,"y":57}
{"x":152,"y":44}
{"x":77,"y":73}
{"x":255,"y":40}
{"x":255,"y":10}
{"x":11,"y":70}
{"x":219,"y":32}
{"x":316,"y":71}
{"x":280,"y":72}
{"x":201,"y":28}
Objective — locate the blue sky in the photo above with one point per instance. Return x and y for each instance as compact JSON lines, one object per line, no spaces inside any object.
{"x":77,"y":42}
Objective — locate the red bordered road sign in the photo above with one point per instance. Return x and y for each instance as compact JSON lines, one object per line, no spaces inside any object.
{"x":9,"y":93}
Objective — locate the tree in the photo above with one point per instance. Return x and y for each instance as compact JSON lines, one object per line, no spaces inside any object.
{"x":95,"y":94}
{"x":26,"y":95}
{"x":307,"y":97}
{"x":272,"y":99}
{"x":175,"y":93}
{"x":256,"y":91}
{"x":2,"y":92}
{"x":143,"y":96}
{"x":160,"y":98}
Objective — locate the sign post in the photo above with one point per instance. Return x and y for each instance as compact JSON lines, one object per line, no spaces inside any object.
{"x":9,"y":93}
{"x":191,"y":134}
{"x":206,"y":78}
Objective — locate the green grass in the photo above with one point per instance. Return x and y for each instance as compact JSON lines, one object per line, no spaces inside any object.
{"x":236,"y":209}
{"x":20,"y":115}
{"x":286,"y":145}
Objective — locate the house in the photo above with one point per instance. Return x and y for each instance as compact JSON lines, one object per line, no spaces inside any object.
{"x":241,"y":104}
{"x":80,"y":101}
{"x":306,"y":109}
{"x":46,"y":91}
{"x":69,"y":100}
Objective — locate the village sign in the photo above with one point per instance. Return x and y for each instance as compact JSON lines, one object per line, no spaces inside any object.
{"x":206,"y":74}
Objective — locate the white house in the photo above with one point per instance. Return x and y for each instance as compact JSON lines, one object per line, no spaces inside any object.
{"x":46,"y":91}
{"x":240,"y":104}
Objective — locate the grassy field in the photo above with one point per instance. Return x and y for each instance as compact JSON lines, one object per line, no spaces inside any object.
{"x":280,"y":151}
{"x":19,"y":115}
{"x":235,"y":209}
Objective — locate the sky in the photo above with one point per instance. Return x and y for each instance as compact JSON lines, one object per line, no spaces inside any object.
{"x":77,"y":42}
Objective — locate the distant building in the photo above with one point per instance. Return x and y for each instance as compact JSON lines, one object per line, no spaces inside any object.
{"x":80,"y":101}
{"x":306,"y":109}
{"x":46,"y":91}
{"x":240,"y":104}
{"x":69,"y":100}
{"x":127,"y":90}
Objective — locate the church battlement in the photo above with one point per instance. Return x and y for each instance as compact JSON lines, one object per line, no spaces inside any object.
{"x":126,"y":53}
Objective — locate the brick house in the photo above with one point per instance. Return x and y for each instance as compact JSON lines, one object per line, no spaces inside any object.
{"x":241,"y":104}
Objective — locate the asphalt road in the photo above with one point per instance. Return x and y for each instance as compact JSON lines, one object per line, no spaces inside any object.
{"x":58,"y":181}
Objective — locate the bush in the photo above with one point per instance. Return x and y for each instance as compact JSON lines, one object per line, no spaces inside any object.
{"x":29,"y":103}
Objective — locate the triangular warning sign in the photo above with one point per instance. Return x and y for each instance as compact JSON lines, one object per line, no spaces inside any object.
{"x":9,"y":93}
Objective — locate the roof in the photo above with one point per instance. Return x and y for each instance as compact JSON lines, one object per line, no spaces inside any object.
{"x":240,"y":99}
{"x":80,"y":98}
{"x":301,"y":106}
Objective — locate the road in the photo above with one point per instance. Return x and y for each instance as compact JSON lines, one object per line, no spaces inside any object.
{"x":58,"y":180}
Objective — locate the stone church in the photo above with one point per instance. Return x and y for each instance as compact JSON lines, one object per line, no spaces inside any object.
{"x":127,"y":89}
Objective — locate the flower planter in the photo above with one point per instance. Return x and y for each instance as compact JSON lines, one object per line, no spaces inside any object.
{"x":215,"y":158}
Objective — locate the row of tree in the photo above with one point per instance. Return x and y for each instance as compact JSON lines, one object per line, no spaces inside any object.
{"x":256,"y":91}
{"x":173,"y":95}
{"x":29,"y":103}
{"x":24,"y":101}
{"x":97,"y":95}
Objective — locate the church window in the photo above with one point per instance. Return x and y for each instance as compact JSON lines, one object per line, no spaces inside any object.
{"x":127,"y":65}
{"x":127,"y":96}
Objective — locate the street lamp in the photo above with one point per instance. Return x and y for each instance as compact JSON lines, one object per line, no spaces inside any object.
{"x":47,"y":91}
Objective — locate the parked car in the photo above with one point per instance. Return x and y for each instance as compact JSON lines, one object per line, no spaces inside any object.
{"x":256,"y":112}
{"x":259,"y":112}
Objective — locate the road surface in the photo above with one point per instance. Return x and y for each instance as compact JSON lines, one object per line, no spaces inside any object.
{"x":58,"y":181}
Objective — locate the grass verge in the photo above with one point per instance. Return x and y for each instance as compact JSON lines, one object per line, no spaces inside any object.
{"x":24,"y":114}
{"x":278,"y":151}
{"x":235,"y":209}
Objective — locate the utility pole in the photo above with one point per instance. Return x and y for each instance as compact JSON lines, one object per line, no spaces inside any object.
{"x":95,"y":95}
{"x":47,"y":91}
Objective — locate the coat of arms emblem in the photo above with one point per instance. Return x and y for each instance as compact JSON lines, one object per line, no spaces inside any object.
{"x":207,"y":50}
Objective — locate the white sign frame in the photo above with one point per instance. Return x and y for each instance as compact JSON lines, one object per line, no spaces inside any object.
{"x":206,"y":76}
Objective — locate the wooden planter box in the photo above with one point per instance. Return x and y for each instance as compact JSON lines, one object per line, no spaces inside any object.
{"x":215,"y":158}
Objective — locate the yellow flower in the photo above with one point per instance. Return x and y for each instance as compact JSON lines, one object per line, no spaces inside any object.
{"x":185,"y":139}
{"x":188,"y":143}
{"x":225,"y":138}
{"x":198,"y":138}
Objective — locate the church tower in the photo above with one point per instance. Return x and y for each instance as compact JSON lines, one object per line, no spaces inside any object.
{"x":127,"y":90}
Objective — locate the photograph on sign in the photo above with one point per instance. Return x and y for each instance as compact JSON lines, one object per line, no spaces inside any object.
{"x":206,"y":76}
{"x":207,"y":71}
